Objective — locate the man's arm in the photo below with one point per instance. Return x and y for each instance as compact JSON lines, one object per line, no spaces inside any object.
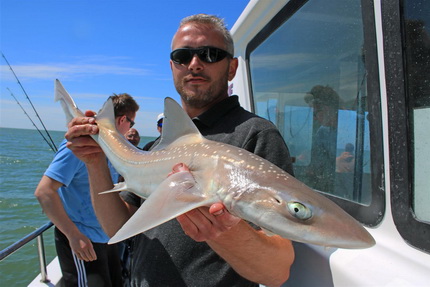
{"x":254,"y":255}
{"x":112,"y":212}
{"x":46,"y":194}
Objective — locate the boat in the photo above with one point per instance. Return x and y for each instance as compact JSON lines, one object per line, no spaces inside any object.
{"x":366,"y":63}
{"x":371,"y":57}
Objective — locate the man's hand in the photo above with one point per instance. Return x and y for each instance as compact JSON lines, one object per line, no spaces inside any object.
{"x":82,"y":247}
{"x":79,"y":140}
{"x":238,"y":243}
{"x":202,"y":224}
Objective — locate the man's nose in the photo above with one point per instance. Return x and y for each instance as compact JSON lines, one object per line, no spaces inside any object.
{"x":195,"y":63}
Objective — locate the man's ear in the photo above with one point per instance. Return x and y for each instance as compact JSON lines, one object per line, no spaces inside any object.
{"x":119,"y":120}
{"x":234,"y":63}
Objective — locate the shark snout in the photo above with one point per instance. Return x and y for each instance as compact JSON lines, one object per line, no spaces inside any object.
{"x":304,"y":216}
{"x":324,"y":223}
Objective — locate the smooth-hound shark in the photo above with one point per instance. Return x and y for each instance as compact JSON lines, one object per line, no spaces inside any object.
{"x":249,"y":186}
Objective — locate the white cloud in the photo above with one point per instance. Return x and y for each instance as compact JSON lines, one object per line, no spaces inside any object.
{"x":69,"y":71}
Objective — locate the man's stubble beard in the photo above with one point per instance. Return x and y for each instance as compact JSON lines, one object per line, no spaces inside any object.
{"x":196,"y":101}
{"x":201,"y":99}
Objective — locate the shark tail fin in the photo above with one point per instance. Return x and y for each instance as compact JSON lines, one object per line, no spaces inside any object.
{"x":67,"y":103}
{"x":176,"y":124}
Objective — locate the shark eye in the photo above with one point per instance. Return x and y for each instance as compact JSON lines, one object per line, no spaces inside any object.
{"x":299,"y":211}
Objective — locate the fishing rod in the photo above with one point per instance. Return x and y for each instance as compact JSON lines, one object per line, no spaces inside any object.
{"x":34,"y":109}
{"x":54,"y":148}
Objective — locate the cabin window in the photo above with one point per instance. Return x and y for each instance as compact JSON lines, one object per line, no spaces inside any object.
{"x":310,"y":76}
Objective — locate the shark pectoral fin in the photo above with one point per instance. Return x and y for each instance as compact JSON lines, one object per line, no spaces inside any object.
{"x":117,"y":188}
{"x":176,"y":195}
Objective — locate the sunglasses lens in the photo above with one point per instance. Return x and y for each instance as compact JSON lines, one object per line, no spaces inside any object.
{"x":181,"y":56}
{"x":206,"y":54}
{"x":130,"y":121}
{"x":213,"y":55}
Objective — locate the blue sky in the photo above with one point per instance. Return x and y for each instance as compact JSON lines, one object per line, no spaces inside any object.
{"x":95,"y":48}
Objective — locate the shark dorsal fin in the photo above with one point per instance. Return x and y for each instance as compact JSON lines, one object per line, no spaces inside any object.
{"x":176,"y":124}
{"x":106,"y":115}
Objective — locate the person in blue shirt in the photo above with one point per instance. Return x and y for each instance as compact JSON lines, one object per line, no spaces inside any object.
{"x":64,"y":194}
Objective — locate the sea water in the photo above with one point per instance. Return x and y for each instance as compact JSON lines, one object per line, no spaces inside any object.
{"x":24,"y":157}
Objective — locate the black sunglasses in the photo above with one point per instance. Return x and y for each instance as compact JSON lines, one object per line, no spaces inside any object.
{"x":206,"y":54}
{"x":130,"y":121}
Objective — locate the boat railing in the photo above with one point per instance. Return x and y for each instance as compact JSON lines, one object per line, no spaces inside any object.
{"x":38,"y":233}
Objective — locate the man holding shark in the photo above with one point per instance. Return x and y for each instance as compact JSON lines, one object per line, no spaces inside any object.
{"x":205,"y":246}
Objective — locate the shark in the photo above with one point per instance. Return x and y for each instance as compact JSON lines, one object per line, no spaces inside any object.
{"x":249,"y":186}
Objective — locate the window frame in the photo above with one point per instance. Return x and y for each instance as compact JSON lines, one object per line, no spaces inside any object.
{"x":416,"y":233}
{"x":373,"y":214}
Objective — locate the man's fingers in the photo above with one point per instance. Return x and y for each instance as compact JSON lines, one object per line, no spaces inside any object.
{"x":223,"y":217}
{"x":178,"y":168}
{"x":187,"y":225}
{"x":82,"y":255}
{"x":85,"y":256}
{"x":92,"y":254}
{"x":216,"y":209}
{"x":75,"y":131}
{"x":90,"y":113}
{"x":81,"y":121}
{"x":201,"y":224}
{"x":80,"y":126}
{"x":86,"y":251}
{"x":84,"y":141}
{"x":197,"y":225}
